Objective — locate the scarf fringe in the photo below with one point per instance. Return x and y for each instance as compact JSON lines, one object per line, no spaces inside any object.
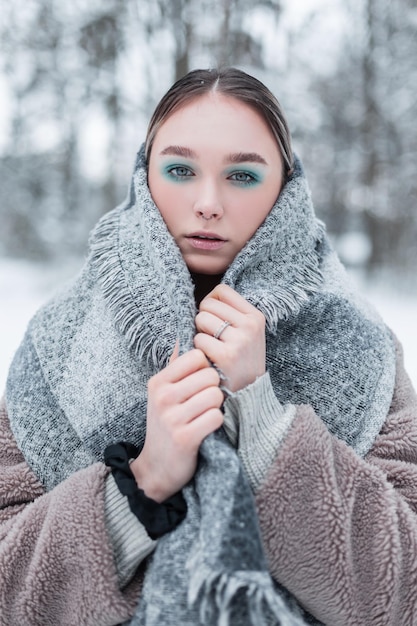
{"x":106,"y":261}
{"x":287,"y":300}
{"x":294,"y":280}
{"x":216,"y":594}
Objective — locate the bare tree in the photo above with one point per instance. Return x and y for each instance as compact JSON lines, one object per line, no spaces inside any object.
{"x":69,"y":65}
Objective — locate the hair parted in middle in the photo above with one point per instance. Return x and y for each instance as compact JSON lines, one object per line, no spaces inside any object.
{"x":229,"y":82}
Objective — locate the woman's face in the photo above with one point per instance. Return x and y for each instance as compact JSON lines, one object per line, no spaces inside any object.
{"x":214,"y":174}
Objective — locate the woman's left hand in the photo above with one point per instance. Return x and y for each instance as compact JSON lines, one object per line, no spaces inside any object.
{"x":239,"y":351}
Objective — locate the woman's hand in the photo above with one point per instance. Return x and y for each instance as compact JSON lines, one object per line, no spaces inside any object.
{"x":240,"y":349}
{"x":184,"y":403}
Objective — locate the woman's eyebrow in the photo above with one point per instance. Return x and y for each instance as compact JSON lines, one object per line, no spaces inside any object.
{"x":245,"y":157}
{"x":181,"y":151}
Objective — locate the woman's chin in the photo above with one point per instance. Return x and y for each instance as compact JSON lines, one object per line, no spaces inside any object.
{"x":207,"y":266}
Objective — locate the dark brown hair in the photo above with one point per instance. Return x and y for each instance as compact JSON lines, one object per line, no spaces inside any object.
{"x":229,"y":82}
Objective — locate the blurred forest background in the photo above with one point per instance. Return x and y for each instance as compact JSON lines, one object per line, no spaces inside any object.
{"x":79,"y":80}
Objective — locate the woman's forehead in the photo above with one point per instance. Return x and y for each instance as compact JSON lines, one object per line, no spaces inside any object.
{"x":215,"y":118}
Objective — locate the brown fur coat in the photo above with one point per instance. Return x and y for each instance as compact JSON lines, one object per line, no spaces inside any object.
{"x":340,"y":532}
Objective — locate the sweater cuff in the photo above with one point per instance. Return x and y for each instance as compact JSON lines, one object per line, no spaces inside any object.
{"x":256,"y":419}
{"x":131,"y":543}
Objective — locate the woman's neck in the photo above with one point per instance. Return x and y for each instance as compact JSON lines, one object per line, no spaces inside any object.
{"x":204,"y":283}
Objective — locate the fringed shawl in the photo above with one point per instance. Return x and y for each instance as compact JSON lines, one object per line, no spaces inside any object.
{"x":78,"y":383}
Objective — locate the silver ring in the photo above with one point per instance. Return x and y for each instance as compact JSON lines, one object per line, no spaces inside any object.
{"x":221,"y":328}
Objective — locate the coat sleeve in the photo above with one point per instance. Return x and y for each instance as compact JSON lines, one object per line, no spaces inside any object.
{"x":341,"y":531}
{"x":56,"y":560}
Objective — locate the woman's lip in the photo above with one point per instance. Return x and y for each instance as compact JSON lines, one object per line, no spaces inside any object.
{"x":206,"y":241}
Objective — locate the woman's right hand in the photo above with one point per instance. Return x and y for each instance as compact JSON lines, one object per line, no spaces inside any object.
{"x":184,"y":401}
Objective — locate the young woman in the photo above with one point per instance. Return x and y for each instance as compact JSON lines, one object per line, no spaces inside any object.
{"x":209,"y":426}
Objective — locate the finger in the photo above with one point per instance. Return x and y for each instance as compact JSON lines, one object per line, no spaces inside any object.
{"x":198,"y":429}
{"x":206,"y":400}
{"x":212,"y":348}
{"x":227,"y":295}
{"x":211,"y":324}
{"x":222,"y":311}
{"x":175,"y":352}
{"x":195,"y":383}
{"x":182,"y":366}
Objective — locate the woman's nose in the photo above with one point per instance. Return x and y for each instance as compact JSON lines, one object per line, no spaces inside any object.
{"x":208,"y":204}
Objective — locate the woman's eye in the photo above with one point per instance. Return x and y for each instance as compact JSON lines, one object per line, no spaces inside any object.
{"x":180,"y":171}
{"x":243,"y":178}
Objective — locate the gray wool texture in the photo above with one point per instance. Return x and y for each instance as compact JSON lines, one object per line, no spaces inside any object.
{"x":78,"y":383}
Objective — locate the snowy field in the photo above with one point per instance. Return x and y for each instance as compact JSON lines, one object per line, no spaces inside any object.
{"x":24,"y":287}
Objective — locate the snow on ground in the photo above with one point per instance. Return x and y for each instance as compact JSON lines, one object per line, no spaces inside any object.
{"x":24,"y":287}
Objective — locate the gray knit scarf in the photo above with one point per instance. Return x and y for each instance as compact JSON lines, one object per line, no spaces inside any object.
{"x":78,"y":383}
